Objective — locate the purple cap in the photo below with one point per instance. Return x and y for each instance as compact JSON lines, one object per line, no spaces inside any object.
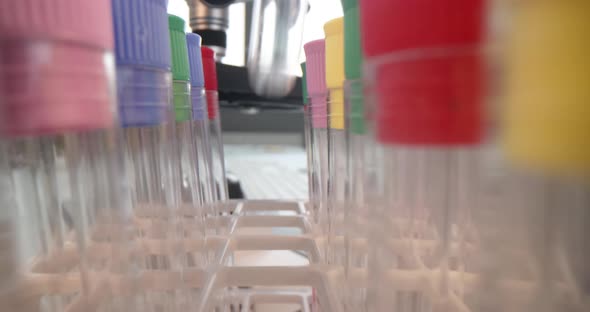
{"x":199,"y":102}
{"x":315,"y":52}
{"x":53,"y":77}
{"x":142,"y":46}
{"x":193,"y":42}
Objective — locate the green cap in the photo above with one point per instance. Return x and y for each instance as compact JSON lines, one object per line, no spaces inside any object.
{"x":353,"y":65}
{"x":304,"y":83}
{"x":352,"y":41}
{"x":180,"y":67}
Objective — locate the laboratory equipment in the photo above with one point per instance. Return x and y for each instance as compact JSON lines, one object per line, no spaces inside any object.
{"x":144,"y":87}
{"x":65,"y":201}
{"x":210,"y":20}
{"x":275,"y":43}
{"x":318,"y":96}
{"x":337,"y":148}
{"x":192,"y":212}
{"x":534,"y":239}
{"x":307,"y":132}
{"x":427,"y":76}
{"x":200,"y":125}
{"x":362,"y":162}
{"x":216,"y":139}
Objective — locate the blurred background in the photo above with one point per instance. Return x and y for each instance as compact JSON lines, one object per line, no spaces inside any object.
{"x":263,"y":137}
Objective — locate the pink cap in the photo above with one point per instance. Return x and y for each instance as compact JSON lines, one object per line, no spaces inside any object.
{"x":53,"y":76}
{"x":315,"y":52}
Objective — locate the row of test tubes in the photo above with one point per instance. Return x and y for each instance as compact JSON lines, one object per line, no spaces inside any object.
{"x":448,"y":157}
{"x":110,"y":156}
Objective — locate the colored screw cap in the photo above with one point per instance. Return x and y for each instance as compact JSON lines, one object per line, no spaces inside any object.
{"x":180,"y":66}
{"x":303,"y":84}
{"x":195,"y":59}
{"x":53,"y":71}
{"x":315,"y":54}
{"x":210,"y":72}
{"x":193,"y":42}
{"x":352,"y":40}
{"x":180,"y":69}
{"x":334,"y":31}
{"x":420,"y":24}
{"x":429,"y":98}
{"x":142,"y":50}
{"x":547,"y":116}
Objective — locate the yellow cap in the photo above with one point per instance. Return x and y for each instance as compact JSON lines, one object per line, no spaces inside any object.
{"x":334,"y":31}
{"x":547,"y":121}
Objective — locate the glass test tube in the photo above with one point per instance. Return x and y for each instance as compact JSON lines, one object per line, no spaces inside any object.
{"x":428,"y":91}
{"x":200,"y":127}
{"x":337,"y":149}
{"x":216,"y":139}
{"x":362,"y":160}
{"x":191,"y":212}
{"x":316,"y":87}
{"x":535,"y":238}
{"x":65,"y":212}
{"x":144,"y":86}
{"x":311,"y":175}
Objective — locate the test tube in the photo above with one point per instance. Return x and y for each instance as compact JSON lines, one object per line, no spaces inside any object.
{"x":200,"y":125}
{"x":64,"y":208}
{"x":318,"y":94}
{"x":427,"y":76}
{"x":337,"y":150}
{"x":311,"y":175}
{"x":535,"y":238}
{"x":191,"y":196}
{"x":216,"y":139}
{"x":147,"y":116}
{"x":362,"y":163}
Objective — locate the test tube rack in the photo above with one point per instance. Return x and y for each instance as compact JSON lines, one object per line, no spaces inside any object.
{"x":243,"y":287}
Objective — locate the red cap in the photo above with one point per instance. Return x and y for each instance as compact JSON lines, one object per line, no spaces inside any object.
{"x":209,"y":69}
{"x":210,"y":73}
{"x":393,"y":25}
{"x":432,"y":92}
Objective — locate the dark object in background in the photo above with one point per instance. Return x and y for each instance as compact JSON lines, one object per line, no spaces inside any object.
{"x":234,"y":187}
{"x":210,"y":20}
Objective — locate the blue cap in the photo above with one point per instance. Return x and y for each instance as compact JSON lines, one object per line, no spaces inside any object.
{"x":193,"y":42}
{"x":143,"y":56}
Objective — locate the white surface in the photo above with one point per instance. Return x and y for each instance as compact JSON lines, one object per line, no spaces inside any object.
{"x":269,"y":171}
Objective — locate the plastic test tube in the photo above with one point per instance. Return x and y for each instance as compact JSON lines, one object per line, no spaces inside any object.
{"x":535,"y":239}
{"x":429,"y":90}
{"x":192,"y":194}
{"x":311,"y":175}
{"x":217,"y":159}
{"x":337,"y":172}
{"x":362,"y":161}
{"x":62,"y":192}
{"x":200,"y":125}
{"x":144,"y":84}
{"x":316,"y":88}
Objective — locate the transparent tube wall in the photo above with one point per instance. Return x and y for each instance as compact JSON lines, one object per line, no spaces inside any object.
{"x":65,"y":201}
{"x":337,"y":185}
{"x":151,"y":149}
{"x":429,"y":180}
{"x":200,"y":126}
{"x":191,"y":194}
{"x":275,"y":43}
{"x":217,"y":159}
